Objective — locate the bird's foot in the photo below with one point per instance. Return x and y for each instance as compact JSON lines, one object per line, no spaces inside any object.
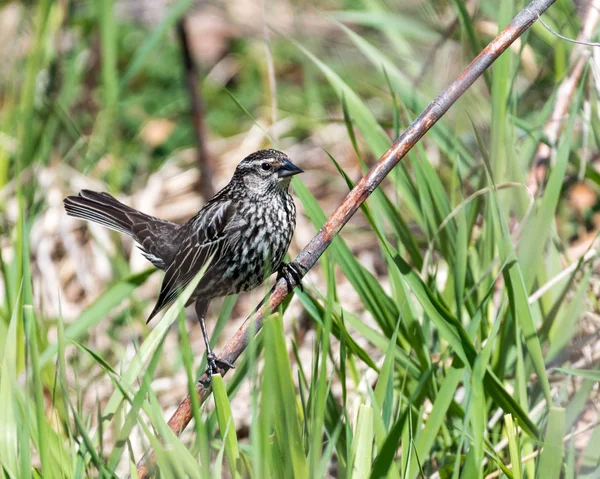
{"x":215,"y":365}
{"x":291,"y":271}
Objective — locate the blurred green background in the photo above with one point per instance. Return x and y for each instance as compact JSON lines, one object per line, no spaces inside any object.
{"x":451,"y":330}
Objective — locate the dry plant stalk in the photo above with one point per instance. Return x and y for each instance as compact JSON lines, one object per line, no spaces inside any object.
{"x":197,"y":113}
{"x":311,"y":253}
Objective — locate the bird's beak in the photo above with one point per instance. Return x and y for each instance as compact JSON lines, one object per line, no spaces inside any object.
{"x":287,"y":168}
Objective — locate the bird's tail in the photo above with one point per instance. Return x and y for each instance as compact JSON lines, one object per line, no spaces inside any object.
{"x":103,"y":209}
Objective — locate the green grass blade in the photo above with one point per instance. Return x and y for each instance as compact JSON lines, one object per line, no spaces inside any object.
{"x":226,"y":424}
{"x":427,"y":436}
{"x":321,"y":387}
{"x":385,"y":381}
{"x":202,"y":435}
{"x":287,"y":421}
{"x":592,"y":374}
{"x":362,"y":445}
{"x":513,"y":446}
{"x":38,"y":393}
{"x":565,"y":326}
{"x":551,"y":458}
{"x":448,"y":326}
{"x":9,"y":419}
{"x":388,"y":449}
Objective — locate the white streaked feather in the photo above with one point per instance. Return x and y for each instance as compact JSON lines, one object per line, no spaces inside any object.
{"x":83,"y":214}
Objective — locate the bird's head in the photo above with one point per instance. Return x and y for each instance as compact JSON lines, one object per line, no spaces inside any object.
{"x":266,"y":170}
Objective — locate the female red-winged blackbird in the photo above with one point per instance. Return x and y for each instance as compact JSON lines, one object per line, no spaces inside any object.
{"x":247,"y":226}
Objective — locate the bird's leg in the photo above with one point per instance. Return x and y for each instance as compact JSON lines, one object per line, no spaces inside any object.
{"x":214,"y":363}
{"x":291,"y":271}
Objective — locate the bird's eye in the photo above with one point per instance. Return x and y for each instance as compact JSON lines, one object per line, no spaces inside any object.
{"x":266,"y":166}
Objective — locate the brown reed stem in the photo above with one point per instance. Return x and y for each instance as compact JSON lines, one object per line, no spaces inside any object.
{"x":192,"y":80}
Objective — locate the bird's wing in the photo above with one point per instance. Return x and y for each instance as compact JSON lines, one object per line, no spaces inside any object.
{"x":211,"y":234}
{"x":157,"y":241}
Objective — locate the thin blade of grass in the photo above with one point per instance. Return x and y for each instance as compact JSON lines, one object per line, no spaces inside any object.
{"x":226,"y":424}
{"x":513,"y":446}
{"x":592,"y":374}
{"x":9,"y":419}
{"x":551,"y":458}
{"x":362,"y":445}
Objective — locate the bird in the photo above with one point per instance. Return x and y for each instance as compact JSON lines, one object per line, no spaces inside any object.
{"x":246,"y":228}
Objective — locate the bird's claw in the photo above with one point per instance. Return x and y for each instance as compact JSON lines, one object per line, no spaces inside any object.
{"x":291,"y":271}
{"x":215,"y":365}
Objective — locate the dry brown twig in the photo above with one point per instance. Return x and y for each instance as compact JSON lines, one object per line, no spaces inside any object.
{"x":270,"y":69}
{"x":566,"y":90}
{"x":197,"y":113}
{"x":311,"y":253}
